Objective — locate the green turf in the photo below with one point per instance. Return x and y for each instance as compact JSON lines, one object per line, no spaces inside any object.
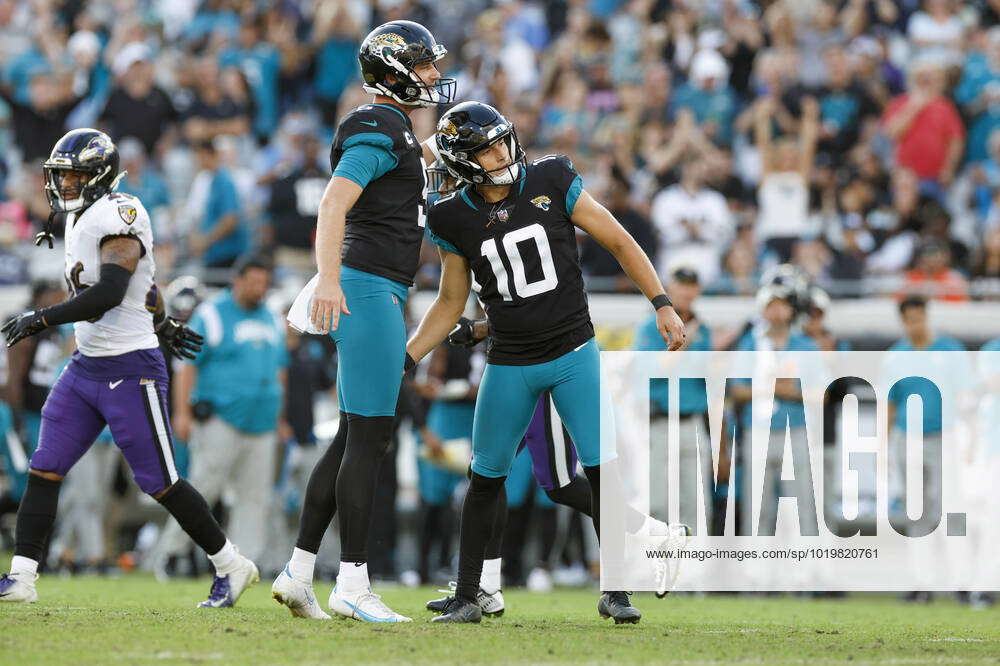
{"x":136,"y":620}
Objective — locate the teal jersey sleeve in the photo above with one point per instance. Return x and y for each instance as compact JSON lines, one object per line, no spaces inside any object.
{"x":366,"y":157}
{"x":573,"y":193}
{"x":441,"y":243}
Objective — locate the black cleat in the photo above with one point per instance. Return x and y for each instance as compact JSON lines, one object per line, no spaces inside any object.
{"x":492,"y":604}
{"x":618,"y":606}
{"x":439,"y":605}
{"x":460,"y":611}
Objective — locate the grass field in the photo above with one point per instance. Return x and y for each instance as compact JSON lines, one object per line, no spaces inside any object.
{"x":136,"y":620}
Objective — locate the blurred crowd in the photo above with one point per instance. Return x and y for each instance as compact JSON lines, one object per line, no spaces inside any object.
{"x":855,"y":138}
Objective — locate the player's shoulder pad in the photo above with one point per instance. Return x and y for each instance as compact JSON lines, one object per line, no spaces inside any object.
{"x":555,"y":163}
{"x":372,"y":124}
{"x":443,"y":200}
{"x":117,"y":214}
{"x":558,"y":172}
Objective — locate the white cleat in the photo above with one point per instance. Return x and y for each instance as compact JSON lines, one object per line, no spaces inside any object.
{"x":18,"y":587}
{"x":677,"y":539}
{"x":297,"y":596}
{"x":226,"y":590}
{"x":365,"y":606}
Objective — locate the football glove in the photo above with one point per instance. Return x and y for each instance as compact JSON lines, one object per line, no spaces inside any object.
{"x":179,"y":340}
{"x":23,"y":326}
{"x":463,"y":335}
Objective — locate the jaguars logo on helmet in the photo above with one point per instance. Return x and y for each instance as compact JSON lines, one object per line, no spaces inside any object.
{"x":388,"y":56}
{"x":470,"y":127}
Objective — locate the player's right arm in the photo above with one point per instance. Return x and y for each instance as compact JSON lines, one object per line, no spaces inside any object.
{"x":328,"y":301}
{"x":119,"y":258}
{"x":440,"y":318}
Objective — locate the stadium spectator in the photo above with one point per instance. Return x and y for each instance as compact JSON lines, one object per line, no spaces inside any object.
{"x":336,"y":35}
{"x":596,"y":261}
{"x":933,"y":276}
{"x":228,"y":404}
{"x":783,"y":194}
{"x":294,"y":204}
{"x":926,"y":127}
{"x":709,"y":96}
{"x":937,"y":31}
{"x":693,"y":224}
{"x":137,"y":107}
{"x":978,"y":95}
{"x":38,"y":123}
{"x":217,"y":108}
{"x":221,"y":235}
{"x":260,"y":64}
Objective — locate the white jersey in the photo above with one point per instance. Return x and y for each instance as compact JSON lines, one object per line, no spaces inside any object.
{"x":128,"y":326}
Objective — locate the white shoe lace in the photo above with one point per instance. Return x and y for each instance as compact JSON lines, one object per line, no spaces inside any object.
{"x":369,"y":601}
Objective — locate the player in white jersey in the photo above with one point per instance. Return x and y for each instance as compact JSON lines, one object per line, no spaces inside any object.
{"x":117,"y":377}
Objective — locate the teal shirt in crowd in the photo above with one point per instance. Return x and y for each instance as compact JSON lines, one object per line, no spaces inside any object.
{"x":224,"y":200}
{"x":949,"y":372}
{"x":238,"y":366}
{"x":693,"y":396}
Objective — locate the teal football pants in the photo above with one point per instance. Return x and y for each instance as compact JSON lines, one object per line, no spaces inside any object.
{"x":448,"y":420}
{"x":371,"y":344}
{"x":507,"y":398}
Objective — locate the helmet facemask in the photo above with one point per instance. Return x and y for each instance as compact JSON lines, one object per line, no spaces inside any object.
{"x":415,"y":92}
{"x":64,"y":199}
{"x":472,"y":171}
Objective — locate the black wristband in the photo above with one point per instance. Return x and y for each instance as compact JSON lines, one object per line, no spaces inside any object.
{"x":661,"y":301}
{"x":409,"y":363}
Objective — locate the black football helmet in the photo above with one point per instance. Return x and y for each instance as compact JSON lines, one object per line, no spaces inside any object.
{"x":395,"y":48}
{"x":790,"y":281}
{"x":87,"y":151}
{"x":469,"y":127}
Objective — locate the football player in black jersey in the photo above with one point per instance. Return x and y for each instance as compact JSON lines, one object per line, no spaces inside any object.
{"x":368,"y":237}
{"x":513,"y":226}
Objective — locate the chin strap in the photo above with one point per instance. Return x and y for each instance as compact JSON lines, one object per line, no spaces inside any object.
{"x":46,"y":233}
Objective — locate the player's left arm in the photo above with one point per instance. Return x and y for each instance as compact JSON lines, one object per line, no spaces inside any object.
{"x":598,"y":221}
{"x":119,"y":258}
{"x":440,"y":318}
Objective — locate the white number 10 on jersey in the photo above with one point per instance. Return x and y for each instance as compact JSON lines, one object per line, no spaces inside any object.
{"x":522,"y":287}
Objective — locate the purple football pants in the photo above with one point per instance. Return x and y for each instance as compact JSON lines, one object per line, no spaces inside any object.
{"x":553,"y":456}
{"x":128,"y":393}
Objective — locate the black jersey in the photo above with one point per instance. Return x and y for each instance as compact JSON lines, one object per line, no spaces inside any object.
{"x":524,"y":260}
{"x":385,"y":226}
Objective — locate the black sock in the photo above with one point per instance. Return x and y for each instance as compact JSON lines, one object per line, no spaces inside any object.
{"x":193,"y":514}
{"x":576,"y":495}
{"x":368,"y":439}
{"x":548,"y":527}
{"x":430,"y":531}
{"x":478,"y":519}
{"x":36,"y":516}
{"x":320,"y":503}
{"x":594,"y":477}
{"x":495,"y":544}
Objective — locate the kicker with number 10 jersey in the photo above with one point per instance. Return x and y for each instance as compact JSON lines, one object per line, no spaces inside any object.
{"x":525,"y":266}
{"x":129,"y":326}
